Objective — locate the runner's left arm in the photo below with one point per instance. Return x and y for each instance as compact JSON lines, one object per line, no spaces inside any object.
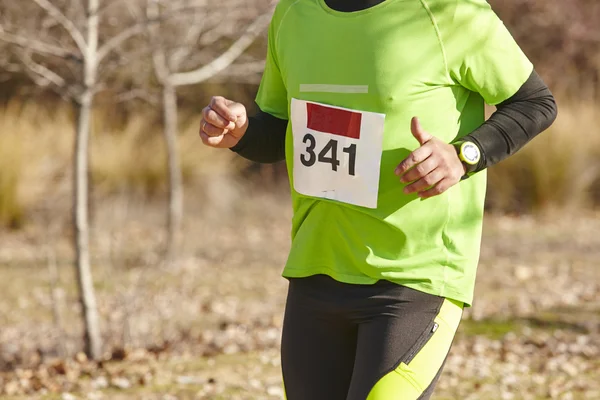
{"x":516,"y":121}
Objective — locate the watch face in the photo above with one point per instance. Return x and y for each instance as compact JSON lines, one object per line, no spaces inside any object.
{"x":471,"y":153}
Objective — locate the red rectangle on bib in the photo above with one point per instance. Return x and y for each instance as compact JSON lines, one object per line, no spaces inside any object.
{"x":334,"y":121}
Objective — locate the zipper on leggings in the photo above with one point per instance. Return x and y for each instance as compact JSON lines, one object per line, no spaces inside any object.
{"x":422,"y":342}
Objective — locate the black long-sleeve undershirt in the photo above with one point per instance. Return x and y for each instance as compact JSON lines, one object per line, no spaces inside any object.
{"x":516,"y":121}
{"x":264,"y":140}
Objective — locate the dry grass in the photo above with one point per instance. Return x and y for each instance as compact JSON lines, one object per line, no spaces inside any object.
{"x":133,"y":158}
{"x":559,"y":170}
{"x":34,"y":157}
{"x":11,"y":206}
{"x":36,"y":152}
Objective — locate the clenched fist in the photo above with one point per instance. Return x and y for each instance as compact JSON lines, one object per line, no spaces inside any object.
{"x":223,"y":123}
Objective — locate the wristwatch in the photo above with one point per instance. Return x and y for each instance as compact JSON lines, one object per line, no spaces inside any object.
{"x":469,"y":154}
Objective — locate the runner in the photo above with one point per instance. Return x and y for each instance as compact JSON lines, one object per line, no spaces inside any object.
{"x":377,"y":106}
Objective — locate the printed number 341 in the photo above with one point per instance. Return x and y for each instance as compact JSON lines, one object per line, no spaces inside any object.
{"x":328,"y":154}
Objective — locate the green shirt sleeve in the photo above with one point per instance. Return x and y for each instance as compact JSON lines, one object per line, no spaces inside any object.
{"x":272,"y":93}
{"x":481,"y":54}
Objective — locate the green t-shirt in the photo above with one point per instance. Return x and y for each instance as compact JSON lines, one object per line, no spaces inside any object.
{"x":438,"y":60}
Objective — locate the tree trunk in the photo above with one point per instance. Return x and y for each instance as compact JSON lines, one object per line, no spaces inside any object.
{"x":85,"y":284}
{"x":92,"y":338}
{"x":175,"y":181}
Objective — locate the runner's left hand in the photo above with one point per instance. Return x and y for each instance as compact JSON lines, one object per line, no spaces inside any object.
{"x":433,"y":168}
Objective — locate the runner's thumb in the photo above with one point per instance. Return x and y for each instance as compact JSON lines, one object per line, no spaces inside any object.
{"x":418,"y":132}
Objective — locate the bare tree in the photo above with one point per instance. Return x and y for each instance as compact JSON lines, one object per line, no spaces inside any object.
{"x":189,"y":59}
{"x":69,"y":45}
{"x":69,"y":63}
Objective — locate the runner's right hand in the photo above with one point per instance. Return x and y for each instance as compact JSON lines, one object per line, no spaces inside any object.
{"x":223,"y":123}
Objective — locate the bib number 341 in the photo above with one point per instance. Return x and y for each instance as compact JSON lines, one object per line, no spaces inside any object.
{"x":337,"y":152}
{"x":328,"y":154}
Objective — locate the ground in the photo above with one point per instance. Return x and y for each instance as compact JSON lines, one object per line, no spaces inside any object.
{"x":208,"y":327}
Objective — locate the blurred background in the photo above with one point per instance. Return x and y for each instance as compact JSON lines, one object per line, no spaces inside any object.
{"x":165,"y":283}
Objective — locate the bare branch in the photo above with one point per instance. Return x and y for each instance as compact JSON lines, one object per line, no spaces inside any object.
{"x":191,"y":37}
{"x":107,"y":5}
{"x":34,"y":45}
{"x":255,"y":67}
{"x":161,"y":68}
{"x":8,"y":68}
{"x":123,"y":60}
{"x":66,"y":23}
{"x":159,"y":59}
{"x":153,"y":18}
{"x":43,"y":76}
{"x":138,"y":94}
{"x":117,"y":40}
{"x":227,"y":58}
{"x":249,"y":73}
{"x":78,"y":4}
{"x":218,"y":30}
{"x":175,"y":12}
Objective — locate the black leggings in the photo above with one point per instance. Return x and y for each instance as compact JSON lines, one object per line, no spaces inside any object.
{"x":358,"y":342}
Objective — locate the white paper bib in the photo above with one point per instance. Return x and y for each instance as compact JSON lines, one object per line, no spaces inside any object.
{"x":337,"y":152}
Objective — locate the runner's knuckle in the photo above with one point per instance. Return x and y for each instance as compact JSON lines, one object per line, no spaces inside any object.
{"x":208,"y":129}
{"x":220,"y":102}
{"x":213,"y":131}
{"x":213,"y":117}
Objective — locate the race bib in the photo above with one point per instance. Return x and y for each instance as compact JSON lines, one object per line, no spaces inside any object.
{"x":337,"y":152}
